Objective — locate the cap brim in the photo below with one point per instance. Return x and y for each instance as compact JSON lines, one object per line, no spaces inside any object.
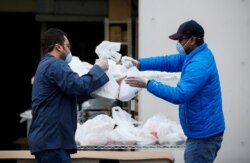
{"x":174,"y":36}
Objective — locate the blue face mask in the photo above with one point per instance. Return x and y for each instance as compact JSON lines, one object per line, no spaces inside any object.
{"x":181,"y":48}
{"x":68,"y":57}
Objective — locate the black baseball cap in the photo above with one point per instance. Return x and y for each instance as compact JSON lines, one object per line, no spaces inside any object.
{"x":188,"y":28}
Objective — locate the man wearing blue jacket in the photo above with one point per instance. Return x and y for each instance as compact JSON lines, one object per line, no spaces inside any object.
{"x":55,"y":90}
{"x":198,"y":91}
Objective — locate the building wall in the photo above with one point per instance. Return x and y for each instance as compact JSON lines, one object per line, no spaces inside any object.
{"x":226,"y":24}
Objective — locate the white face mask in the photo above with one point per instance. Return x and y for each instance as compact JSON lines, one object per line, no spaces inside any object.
{"x":68,"y":57}
{"x":180,"y":48}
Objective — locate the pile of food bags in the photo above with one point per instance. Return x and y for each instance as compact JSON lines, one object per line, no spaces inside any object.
{"x":122,"y":129}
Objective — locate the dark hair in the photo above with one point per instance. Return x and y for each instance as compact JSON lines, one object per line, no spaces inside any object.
{"x":50,"y":37}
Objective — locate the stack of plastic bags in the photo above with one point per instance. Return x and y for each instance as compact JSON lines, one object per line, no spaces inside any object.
{"x":121,"y":129}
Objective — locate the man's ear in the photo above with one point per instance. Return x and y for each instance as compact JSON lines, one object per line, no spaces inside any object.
{"x":58,"y":47}
{"x":193,"y":41}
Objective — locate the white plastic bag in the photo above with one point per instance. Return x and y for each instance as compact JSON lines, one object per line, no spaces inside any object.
{"x":26,"y":116}
{"x":79,"y":67}
{"x":170,"y":133}
{"x":109,"y":50}
{"x":164,"y":77}
{"x":158,"y":129}
{"x":123,"y":118}
{"x":145,"y":138}
{"x":94,"y":131}
{"x":116,"y":70}
{"x":127,"y":92}
{"x":125,"y":132}
{"x":148,"y":132}
{"x":120,"y":136}
{"x":108,"y":91}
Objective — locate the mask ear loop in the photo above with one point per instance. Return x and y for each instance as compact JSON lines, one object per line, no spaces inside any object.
{"x":186,"y":42}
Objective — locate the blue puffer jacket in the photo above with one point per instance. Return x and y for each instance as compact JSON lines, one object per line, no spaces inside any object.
{"x":198,"y":91}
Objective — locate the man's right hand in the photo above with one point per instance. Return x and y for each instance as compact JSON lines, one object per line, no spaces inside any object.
{"x":127,"y":61}
{"x":103,"y":63}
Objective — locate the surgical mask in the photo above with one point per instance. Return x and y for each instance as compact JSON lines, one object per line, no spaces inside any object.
{"x":68,"y":57}
{"x":181,"y":48}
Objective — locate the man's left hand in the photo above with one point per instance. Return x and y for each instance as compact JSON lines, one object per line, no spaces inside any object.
{"x":139,"y":82}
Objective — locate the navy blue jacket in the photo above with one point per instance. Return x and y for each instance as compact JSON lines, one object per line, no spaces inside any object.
{"x":198,"y":91}
{"x":54,"y":103}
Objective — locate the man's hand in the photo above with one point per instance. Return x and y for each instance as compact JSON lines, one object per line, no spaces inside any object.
{"x":103,"y":63}
{"x":120,"y":79}
{"x":139,"y":82}
{"x":129,"y":62}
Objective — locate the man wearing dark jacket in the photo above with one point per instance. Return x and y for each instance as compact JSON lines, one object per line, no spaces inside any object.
{"x":198,"y":91}
{"x":55,"y":90}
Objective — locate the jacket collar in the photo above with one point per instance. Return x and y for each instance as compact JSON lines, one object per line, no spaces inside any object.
{"x":196,"y":50}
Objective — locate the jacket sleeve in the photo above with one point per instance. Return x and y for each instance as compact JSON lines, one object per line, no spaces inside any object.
{"x":71,"y":84}
{"x":193,"y":78}
{"x":169,"y":63}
